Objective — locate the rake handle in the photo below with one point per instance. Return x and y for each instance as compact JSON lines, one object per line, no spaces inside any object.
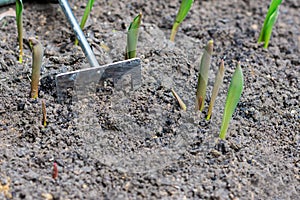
{"x":79,"y":34}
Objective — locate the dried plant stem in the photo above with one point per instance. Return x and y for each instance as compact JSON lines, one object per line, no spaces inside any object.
{"x":203,"y":76}
{"x":181,"y":103}
{"x":199,"y":100}
{"x":174,"y":31}
{"x":44,"y":122}
{"x":218,"y":82}
{"x":37,"y":57}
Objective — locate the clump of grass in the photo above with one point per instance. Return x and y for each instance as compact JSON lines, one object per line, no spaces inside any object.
{"x":185,"y":6}
{"x":181,"y":103}
{"x":132,"y":37}
{"x":218,"y":82}
{"x":269,"y":22}
{"x":85,"y":16}
{"x":37,"y":58}
{"x":19,"y":18}
{"x":232,"y":99}
{"x":203,"y":76}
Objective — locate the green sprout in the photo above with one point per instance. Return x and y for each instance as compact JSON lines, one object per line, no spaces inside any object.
{"x":132,"y":37}
{"x":269,"y":22}
{"x":233,"y":97}
{"x":37,"y":58}
{"x":182,"y":13}
{"x":87,"y":11}
{"x":203,"y":76}
{"x":19,"y":17}
{"x":218,"y":82}
{"x":181,"y":103}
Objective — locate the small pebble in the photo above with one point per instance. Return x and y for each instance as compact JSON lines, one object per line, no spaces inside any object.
{"x":215,"y":153}
{"x":21,"y":106}
{"x":47,"y":196}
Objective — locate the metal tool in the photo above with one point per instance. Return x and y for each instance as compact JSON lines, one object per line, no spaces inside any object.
{"x":80,"y":79}
{"x":6,"y":2}
{"x":84,"y":80}
{"x":95,"y":74}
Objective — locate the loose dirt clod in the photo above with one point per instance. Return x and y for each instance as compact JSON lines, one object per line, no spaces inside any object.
{"x":5,"y":189}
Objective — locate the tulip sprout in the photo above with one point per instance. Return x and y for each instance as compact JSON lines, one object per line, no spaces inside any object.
{"x":87,"y":11}
{"x":19,"y":18}
{"x":218,"y":82}
{"x":203,"y":76}
{"x":37,"y":57}
{"x":269,"y":22}
{"x":182,"y":13}
{"x":181,"y":103}
{"x":233,"y":97}
{"x":132,"y":37}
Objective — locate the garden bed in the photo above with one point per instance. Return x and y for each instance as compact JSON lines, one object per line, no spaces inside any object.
{"x":124,"y":144}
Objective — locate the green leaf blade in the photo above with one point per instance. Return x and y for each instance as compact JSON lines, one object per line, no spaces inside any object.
{"x":87,"y":11}
{"x":19,"y":19}
{"x":273,"y":7}
{"x":269,"y":27}
{"x":233,"y":96}
{"x":85,"y":16}
{"x":185,"y":6}
{"x":269,"y":22}
{"x":132,"y":37}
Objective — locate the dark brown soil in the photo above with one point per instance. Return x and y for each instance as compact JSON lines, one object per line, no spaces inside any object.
{"x":123,"y":144}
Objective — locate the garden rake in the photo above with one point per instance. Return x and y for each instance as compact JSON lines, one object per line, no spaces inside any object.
{"x":80,"y":79}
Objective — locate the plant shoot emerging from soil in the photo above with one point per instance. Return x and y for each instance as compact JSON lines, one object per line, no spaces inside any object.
{"x":37,"y":58}
{"x":232,"y":99}
{"x":218,"y":82}
{"x":19,"y":18}
{"x":185,"y":6}
{"x":181,"y":103}
{"x":85,"y":16}
{"x":269,"y":22}
{"x":54,"y":171}
{"x":44,"y":122}
{"x":132,"y":37}
{"x":203,"y":76}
